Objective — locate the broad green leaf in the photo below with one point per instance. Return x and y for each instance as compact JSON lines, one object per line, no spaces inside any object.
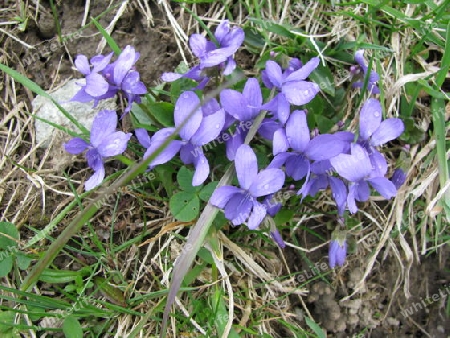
{"x":324,"y":124}
{"x":165,"y":173}
{"x":206,"y":192}
{"x":23,"y":261}
{"x":324,"y":78}
{"x":254,"y":39}
{"x":184,"y":179}
{"x":5,"y":265}
{"x":160,"y":111}
{"x":72,"y":328}
{"x":142,"y":118}
{"x":7,"y":232}
{"x":283,"y":216}
{"x":184,"y":206}
{"x":6,"y":323}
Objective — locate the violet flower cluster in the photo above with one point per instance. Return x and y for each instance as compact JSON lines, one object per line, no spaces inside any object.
{"x":348,"y":163}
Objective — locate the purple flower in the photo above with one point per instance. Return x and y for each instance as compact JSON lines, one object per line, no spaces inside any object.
{"x":357,"y":169}
{"x":105,"y":141}
{"x":292,"y":86}
{"x":373,"y":132}
{"x":210,"y":55}
{"x":337,"y":252}
{"x":276,"y":236}
{"x":201,"y":128}
{"x":304,"y":149}
{"x":320,"y":179}
{"x":398,"y":178}
{"x":241,"y":203}
{"x":105,"y":79}
{"x":242,"y":107}
{"x":373,"y":76}
{"x":96,"y":87}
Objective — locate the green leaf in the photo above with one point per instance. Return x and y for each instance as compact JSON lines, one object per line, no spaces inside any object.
{"x":142,"y":118}
{"x":162,"y":112}
{"x":206,"y":192}
{"x":116,"y":49}
{"x":114,"y":294}
{"x":184,"y":179}
{"x":6,"y":323}
{"x":283,"y":216}
{"x":324,"y":78}
{"x":315,"y":327}
{"x":254,"y":39}
{"x":5,"y":265}
{"x":23,"y":261}
{"x":165,"y":173}
{"x":184,"y":206}
{"x":324,"y":124}
{"x":72,"y":328}
{"x":8,"y":231}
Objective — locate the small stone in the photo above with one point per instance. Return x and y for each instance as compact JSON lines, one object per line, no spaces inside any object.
{"x":84,"y":113}
{"x":392,"y":321}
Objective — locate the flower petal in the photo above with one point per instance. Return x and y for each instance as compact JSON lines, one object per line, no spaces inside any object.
{"x":222,"y":195}
{"x":95,"y":179}
{"x":100,"y":62}
{"x":273,"y":73}
{"x":369,"y":118}
{"x":123,"y":65}
{"x":115,"y":144}
{"x":210,"y":128}
{"x":279,"y":160}
{"x":238,"y":208}
{"x":297,"y":131}
{"x":96,"y":85}
{"x":388,"y":130}
{"x":297,"y":167}
{"x":267,"y":182}
{"x":385,"y":187}
{"x":222,"y":30}
{"x":283,"y":108}
{"x":82,"y":64}
{"x":257,"y":216}
{"x":253,"y":95}
{"x":233,"y":143}
{"x":166,"y":155}
{"x":201,"y":170}
{"x":324,"y":147}
{"x":280,"y":142}
{"x":362,"y":191}
{"x":76,"y":145}
{"x":379,"y":163}
{"x":104,"y":124}
{"x":352,"y":167}
{"x":300,"y":92}
{"x":235,"y":104}
{"x":304,"y":72}
{"x":184,"y":107}
{"x":143,"y":137}
{"x":94,"y":159}
{"x":198,"y":42}
{"x":339,"y":192}
{"x":246,"y":166}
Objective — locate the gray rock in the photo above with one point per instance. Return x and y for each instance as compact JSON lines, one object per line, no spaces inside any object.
{"x":84,"y":113}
